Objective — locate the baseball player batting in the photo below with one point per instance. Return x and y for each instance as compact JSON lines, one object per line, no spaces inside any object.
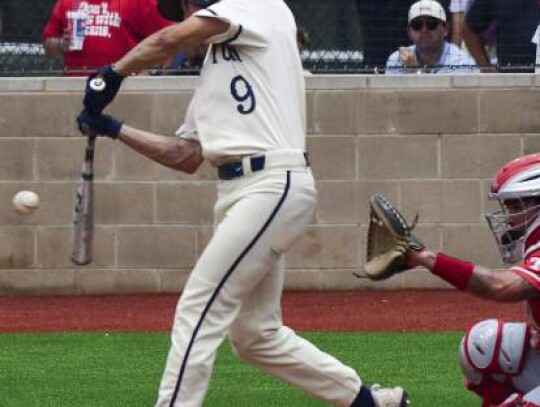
{"x":500,"y":360}
{"x":247,"y":118}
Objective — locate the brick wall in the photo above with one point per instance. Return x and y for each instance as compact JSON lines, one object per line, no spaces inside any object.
{"x":429,"y":143}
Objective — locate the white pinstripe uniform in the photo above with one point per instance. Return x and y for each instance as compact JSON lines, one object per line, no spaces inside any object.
{"x":249,"y":106}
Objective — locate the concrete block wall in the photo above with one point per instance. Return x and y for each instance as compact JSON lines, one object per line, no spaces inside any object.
{"x":429,"y":143}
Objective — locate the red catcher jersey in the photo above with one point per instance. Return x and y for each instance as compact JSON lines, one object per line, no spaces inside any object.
{"x":112,"y":28}
{"x":529,"y":269}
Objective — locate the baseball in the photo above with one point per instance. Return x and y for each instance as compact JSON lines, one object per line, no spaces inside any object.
{"x":25,"y":202}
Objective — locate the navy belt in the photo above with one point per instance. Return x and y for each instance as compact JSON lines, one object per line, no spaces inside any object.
{"x":235,"y":169}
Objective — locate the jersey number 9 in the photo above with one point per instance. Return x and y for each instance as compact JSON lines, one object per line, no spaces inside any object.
{"x":242,"y":92}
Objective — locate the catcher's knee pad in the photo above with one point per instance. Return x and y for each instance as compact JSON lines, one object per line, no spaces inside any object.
{"x":496,"y":348}
{"x":532,"y":398}
{"x":518,"y":400}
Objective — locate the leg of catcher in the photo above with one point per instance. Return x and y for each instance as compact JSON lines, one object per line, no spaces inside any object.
{"x":259,"y":337}
{"x":532,"y":398}
{"x":515,"y":400}
{"x":483,"y":348}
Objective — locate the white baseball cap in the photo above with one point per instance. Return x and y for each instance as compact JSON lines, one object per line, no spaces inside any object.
{"x":430,"y":8}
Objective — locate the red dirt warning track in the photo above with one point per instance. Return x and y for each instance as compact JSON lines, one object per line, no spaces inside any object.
{"x":304,"y":311}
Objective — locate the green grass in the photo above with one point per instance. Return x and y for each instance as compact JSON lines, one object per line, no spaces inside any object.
{"x":123,"y":369}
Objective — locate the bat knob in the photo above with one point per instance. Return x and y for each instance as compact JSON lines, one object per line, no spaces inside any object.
{"x":97,"y":84}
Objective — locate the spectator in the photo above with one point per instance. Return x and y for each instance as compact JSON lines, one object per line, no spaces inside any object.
{"x":187,"y":63}
{"x":302,"y":40}
{"x":536,"y":41}
{"x":430,"y":52}
{"x":458,"y":8}
{"x":190,"y":61}
{"x":516,"y":23}
{"x":501,"y":359}
{"x":383,"y":24}
{"x":105,"y":31}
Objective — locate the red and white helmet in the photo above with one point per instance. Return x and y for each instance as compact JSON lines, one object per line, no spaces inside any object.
{"x":515,"y":181}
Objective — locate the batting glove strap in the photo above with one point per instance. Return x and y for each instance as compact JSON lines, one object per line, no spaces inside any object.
{"x":101,"y":88}
{"x":102,"y":124}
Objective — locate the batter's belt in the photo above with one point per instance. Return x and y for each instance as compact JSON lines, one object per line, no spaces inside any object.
{"x":258,"y":162}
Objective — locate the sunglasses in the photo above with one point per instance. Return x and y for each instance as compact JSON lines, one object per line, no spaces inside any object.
{"x":430,"y":22}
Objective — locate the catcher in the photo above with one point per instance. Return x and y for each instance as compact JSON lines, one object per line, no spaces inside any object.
{"x":500,"y":360}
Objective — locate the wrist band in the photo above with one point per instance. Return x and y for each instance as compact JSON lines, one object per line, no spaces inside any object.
{"x":455,"y":271}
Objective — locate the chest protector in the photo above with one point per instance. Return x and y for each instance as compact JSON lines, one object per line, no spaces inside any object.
{"x":494,"y":347}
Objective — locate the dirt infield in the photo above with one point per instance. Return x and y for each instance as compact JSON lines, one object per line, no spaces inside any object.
{"x":304,"y":311}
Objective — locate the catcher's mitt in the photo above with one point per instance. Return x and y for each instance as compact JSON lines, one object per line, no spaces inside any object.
{"x":389,"y":238}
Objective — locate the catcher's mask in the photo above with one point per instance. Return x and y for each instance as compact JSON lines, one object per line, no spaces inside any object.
{"x":516,"y":187}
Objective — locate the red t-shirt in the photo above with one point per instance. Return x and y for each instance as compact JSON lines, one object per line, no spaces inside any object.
{"x":112,"y":28}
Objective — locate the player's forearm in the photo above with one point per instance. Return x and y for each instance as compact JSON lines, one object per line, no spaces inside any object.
{"x":167,"y":42}
{"x":173,"y":152}
{"x":475,"y":46}
{"x":424,"y":258}
{"x":457,"y":28}
{"x":150,"y":52}
{"x":484,"y":284}
{"x":457,"y":272}
{"x":502,"y":286}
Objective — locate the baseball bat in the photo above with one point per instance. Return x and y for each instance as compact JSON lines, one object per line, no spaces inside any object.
{"x":83,"y":213}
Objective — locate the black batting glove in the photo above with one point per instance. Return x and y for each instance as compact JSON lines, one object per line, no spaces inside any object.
{"x":101,"y":88}
{"x":102,"y":124}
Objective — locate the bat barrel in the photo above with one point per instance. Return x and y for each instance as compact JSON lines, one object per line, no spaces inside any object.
{"x":81,"y":259}
{"x":83,"y":213}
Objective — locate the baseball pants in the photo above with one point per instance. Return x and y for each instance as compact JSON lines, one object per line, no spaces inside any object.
{"x":235,"y":290}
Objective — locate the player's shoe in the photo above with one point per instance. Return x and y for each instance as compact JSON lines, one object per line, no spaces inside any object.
{"x":389,"y":397}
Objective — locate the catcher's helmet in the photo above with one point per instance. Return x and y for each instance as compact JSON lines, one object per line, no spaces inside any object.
{"x":518,"y":179}
{"x":172,"y":9}
{"x":519,"y":182}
